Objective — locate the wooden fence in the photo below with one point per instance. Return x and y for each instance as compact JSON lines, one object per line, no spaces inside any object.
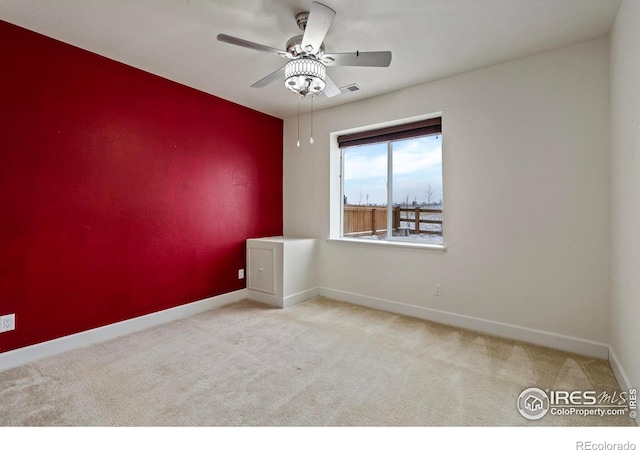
{"x":371,"y":220}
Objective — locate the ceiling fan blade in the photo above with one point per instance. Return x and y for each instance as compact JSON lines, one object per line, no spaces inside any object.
{"x":330,"y":89}
{"x":364,"y":59}
{"x":252,"y":45}
{"x":269,"y":78}
{"x":318,"y":23}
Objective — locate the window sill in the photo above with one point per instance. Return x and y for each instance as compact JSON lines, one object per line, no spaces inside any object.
{"x":438,"y":248}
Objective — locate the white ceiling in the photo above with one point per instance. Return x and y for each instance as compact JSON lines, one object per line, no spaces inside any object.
{"x":430,"y":39}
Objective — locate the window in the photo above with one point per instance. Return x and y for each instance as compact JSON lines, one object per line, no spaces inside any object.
{"x":392,"y":183}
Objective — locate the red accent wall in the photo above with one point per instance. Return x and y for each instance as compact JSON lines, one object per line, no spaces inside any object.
{"x":121,"y":193}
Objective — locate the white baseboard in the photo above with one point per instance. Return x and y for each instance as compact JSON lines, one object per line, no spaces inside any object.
{"x":301,"y":297}
{"x":618,"y":371}
{"x":265,"y":298}
{"x":538,"y":337}
{"x":621,"y":375}
{"x":280,"y":302}
{"x":35,"y":352}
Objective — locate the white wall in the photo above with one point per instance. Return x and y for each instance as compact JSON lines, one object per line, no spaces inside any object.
{"x":526,"y":194}
{"x":625,"y":145}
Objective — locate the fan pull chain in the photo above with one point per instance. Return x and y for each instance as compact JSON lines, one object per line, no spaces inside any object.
{"x":311,"y":140}
{"x":298,"y":122}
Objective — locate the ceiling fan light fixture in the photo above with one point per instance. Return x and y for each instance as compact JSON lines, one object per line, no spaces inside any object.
{"x":306,"y":73}
{"x":305,"y":76}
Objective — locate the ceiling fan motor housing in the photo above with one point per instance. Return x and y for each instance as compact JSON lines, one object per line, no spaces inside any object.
{"x":294,"y":48}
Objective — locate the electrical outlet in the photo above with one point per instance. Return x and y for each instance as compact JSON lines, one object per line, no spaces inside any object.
{"x":7,"y":323}
{"x":240,"y":274}
{"x":437,"y":289}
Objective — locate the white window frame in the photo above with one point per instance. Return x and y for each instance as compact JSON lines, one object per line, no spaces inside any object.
{"x":337,"y":192}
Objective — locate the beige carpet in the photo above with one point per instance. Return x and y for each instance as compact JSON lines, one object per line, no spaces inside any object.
{"x":318,"y":363}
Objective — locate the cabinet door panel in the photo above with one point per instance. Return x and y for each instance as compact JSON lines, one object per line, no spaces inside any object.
{"x":261,"y":270}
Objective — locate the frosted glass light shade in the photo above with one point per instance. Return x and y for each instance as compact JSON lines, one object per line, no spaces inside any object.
{"x":305,"y":76}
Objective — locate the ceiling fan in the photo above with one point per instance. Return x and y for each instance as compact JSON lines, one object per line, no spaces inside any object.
{"x":305,"y":73}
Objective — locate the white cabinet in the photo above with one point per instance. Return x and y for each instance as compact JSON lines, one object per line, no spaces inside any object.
{"x":282,"y":271}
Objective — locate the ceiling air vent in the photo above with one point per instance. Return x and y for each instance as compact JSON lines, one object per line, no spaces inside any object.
{"x":350,"y":88}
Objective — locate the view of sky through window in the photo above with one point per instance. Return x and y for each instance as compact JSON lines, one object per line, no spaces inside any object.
{"x":417,"y":172}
